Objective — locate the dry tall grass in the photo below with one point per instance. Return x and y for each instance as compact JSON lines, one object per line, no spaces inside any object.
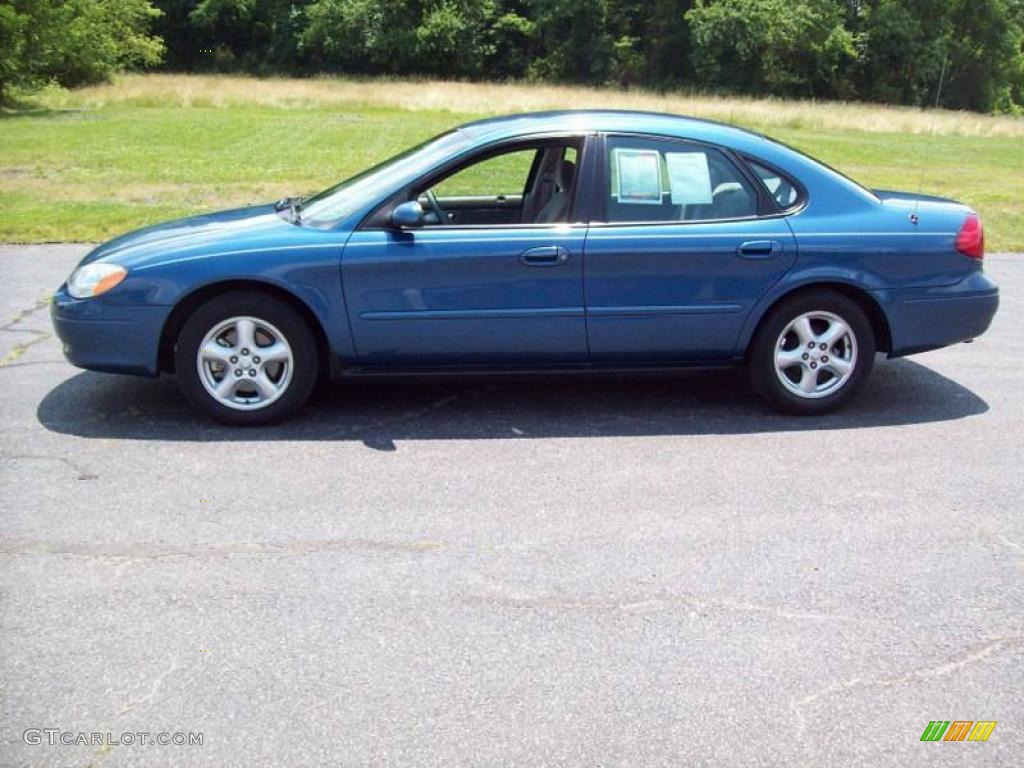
{"x":483,"y":99}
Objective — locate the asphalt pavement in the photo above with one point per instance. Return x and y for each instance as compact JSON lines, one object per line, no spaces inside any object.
{"x":550,"y":571}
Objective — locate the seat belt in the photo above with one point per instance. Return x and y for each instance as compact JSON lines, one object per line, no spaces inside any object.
{"x":545,"y":186}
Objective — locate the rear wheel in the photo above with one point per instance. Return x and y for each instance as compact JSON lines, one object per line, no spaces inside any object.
{"x":246,"y":358}
{"x":812,"y":353}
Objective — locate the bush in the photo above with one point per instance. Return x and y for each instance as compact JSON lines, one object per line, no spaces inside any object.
{"x":365,"y":36}
{"x":73,"y":42}
{"x":985,"y":55}
{"x":781,"y":47}
{"x":877,"y":50}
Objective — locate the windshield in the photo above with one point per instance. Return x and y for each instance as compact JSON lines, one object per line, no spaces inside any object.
{"x":344,"y":199}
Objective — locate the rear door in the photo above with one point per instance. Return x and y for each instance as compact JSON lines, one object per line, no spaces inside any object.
{"x":688,"y":244}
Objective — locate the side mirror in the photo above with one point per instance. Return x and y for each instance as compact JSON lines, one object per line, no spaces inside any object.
{"x":407,"y":215}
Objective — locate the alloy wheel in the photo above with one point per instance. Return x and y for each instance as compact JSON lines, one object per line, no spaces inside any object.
{"x":815,"y":354}
{"x":245,"y":363}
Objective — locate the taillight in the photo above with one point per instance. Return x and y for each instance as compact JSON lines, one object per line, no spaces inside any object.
{"x":970,"y":240}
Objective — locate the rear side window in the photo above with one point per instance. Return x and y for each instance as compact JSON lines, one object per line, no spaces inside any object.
{"x":780,"y":186}
{"x":660,"y":180}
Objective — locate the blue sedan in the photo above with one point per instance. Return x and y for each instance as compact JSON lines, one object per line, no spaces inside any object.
{"x":568,"y":241}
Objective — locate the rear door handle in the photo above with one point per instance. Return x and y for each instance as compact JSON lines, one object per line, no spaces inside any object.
{"x":544,"y":256}
{"x":759,"y":249}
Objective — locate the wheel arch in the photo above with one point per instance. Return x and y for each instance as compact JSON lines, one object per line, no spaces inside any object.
{"x":199,"y":296}
{"x":871,"y":307}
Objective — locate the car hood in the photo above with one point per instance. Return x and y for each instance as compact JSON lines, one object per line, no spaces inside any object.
{"x":195,"y":232}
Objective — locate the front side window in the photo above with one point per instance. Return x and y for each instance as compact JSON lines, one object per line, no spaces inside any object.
{"x":525,"y":184}
{"x":504,"y":174}
{"x":660,"y":180}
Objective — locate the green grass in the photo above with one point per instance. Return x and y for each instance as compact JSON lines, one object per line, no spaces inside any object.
{"x":88,"y":173}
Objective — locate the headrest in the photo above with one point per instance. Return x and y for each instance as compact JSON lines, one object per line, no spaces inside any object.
{"x":566,"y":174}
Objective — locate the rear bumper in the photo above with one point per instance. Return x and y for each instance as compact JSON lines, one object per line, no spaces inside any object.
{"x":108,"y":337}
{"x":924,"y":319}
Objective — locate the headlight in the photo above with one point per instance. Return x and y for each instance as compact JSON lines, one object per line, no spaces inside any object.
{"x":94,"y":279}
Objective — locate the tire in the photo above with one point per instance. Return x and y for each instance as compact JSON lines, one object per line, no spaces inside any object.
{"x":224,"y":337}
{"x":818,"y":380}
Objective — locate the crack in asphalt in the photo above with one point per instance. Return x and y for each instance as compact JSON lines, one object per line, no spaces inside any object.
{"x":25,"y":313}
{"x":142,"y":551}
{"x":658,"y":603}
{"x":38,"y":336}
{"x":82,"y":472}
{"x":131,"y":706}
{"x":20,"y":349}
{"x":158,"y":681}
{"x":914,"y":676}
{"x":31,"y":362}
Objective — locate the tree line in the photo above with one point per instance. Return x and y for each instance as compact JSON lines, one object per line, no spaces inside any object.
{"x":890,"y":51}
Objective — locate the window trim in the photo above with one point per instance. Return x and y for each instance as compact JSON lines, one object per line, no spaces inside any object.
{"x":376,"y":220}
{"x":767,"y":207}
{"x":801,"y":190}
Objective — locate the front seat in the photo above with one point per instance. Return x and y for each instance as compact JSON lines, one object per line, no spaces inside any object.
{"x":557,"y":208}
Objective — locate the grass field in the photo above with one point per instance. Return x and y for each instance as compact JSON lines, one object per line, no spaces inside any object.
{"x":89,"y":164}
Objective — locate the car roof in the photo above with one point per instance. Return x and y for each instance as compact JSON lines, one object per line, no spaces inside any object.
{"x":610,"y":121}
{"x":816,"y":177}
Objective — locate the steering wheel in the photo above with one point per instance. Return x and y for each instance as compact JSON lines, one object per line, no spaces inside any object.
{"x":442,"y":217}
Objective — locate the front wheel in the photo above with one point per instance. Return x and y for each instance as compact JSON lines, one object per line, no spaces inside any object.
{"x":812,"y":353}
{"x":246,"y":358}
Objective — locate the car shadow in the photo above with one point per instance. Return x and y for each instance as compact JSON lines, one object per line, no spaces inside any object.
{"x":380,"y":412}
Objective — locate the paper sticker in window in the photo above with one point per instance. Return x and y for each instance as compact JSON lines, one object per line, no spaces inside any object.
{"x":639,"y":176}
{"x":689,"y":178}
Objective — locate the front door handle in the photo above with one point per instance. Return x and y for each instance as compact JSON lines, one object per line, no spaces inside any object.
{"x":759,"y":249}
{"x":544,"y":256}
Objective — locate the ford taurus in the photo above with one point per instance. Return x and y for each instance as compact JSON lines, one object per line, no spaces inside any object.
{"x":562,"y":241}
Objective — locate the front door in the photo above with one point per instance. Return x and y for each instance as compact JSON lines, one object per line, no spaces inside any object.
{"x":476,"y":285}
{"x":683,"y":254}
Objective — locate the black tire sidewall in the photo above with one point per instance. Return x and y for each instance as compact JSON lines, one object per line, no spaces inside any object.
{"x":265,"y":307}
{"x":761,"y":360}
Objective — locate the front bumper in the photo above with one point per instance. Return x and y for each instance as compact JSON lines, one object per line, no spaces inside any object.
{"x":109,"y":337}
{"x":920,"y":320}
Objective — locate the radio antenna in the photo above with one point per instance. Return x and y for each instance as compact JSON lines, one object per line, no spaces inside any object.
{"x":931,"y":132}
